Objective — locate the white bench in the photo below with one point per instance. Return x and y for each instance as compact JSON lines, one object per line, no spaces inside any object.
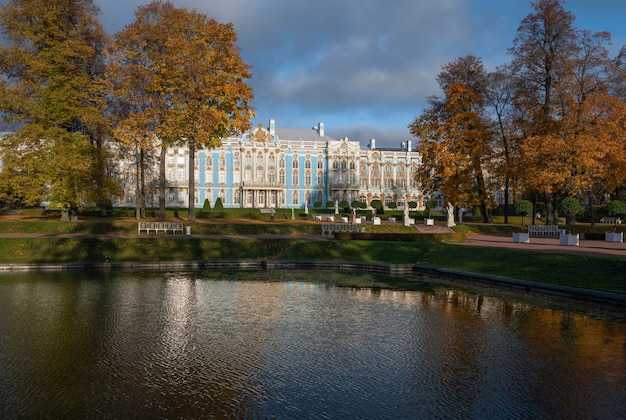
{"x":328,"y":230}
{"x":544,"y":230}
{"x":157,"y":227}
{"x":611,"y":220}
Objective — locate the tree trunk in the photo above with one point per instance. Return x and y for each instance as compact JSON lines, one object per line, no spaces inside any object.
{"x":162,"y":183}
{"x":592,"y":213}
{"x":191,"y":214}
{"x":551,"y":217}
{"x":506,"y":201}
{"x":484,"y":211}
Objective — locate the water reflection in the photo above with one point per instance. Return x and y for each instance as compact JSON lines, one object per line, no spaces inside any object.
{"x":165,"y":345}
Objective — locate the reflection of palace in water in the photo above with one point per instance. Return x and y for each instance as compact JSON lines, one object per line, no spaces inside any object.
{"x":268,"y":167}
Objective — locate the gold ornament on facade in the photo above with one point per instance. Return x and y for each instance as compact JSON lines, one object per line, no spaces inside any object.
{"x":260,"y":134}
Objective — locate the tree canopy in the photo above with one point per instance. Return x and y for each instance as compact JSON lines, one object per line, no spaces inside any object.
{"x":549,"y":124}
{"x":179,"y":78}
{"x":51,"y":90}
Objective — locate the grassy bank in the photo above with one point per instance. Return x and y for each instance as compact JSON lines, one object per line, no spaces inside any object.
{"x":600,"y":273}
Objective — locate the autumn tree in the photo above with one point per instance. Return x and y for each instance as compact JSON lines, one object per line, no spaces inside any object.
{"x":455,"y":137}
{"x":543,"y":53}
{"x":194,"y":78}
{"x":51,"y":90}
{"x":506,"y":165}
{"x":572,"y":126}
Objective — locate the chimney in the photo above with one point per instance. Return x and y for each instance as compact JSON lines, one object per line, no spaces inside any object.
{"x":320,"y":129}
{"x":272,"y":127}
{"x":373,"y":144}
{"x":408,"y":145}
{"x":403,"y":145}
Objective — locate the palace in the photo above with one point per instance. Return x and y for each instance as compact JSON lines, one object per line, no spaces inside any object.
{"x":268,"y":167}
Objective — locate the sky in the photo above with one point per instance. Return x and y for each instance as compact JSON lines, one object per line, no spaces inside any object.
{"x":365,"y":68}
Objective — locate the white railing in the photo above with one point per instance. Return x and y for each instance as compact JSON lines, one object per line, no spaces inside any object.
{"x":157,"y":227}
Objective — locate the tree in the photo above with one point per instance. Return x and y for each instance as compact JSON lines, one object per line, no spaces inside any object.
{"x":430,"y":205}
{"x":506,"y":163}
{"x":196,"y":79}
{"x":51,"y":89}
{"x":570,"y":207}
{"x":543,"y":58}
{"x":455,"y":137}
{"x":616,"y":208}
{"x":523,"y":207}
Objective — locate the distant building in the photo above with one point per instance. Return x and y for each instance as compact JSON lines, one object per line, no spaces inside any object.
{"x":269,"y":167}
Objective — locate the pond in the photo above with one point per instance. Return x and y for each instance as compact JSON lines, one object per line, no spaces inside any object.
{"x":291,"y":345}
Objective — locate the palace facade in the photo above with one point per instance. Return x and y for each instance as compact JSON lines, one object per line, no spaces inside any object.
{"x":269,"y":167}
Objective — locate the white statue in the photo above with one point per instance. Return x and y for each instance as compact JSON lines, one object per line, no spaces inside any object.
{"x":336,"y":207}
{"x":450,"y":221}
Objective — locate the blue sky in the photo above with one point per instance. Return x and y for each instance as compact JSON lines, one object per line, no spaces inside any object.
{"x":366,"y":67}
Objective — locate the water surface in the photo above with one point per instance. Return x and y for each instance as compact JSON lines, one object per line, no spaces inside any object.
{"x":278,"y":345}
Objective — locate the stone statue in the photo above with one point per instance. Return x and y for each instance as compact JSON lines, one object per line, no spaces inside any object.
{"x":336,"y":207}
{"x":407,"y":219}
{"x":450,"y":221}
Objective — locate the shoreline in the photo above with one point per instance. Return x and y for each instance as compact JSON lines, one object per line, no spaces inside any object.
{"x":391,"y":270}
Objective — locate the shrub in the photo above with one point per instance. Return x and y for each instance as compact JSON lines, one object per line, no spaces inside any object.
{"x":570,"y":207}
{"x":616,"y":208}
{"x":392,"y":205}
{"x":207,"y":205}
{"x":377,"y":204}
{"x":317,"y":204}
{"x":218,"y":204}
{"x":523,"y":208}
{"x":413,"y":204}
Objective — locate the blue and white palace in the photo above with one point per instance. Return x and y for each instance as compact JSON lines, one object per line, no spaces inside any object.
{"x":272,"y":167}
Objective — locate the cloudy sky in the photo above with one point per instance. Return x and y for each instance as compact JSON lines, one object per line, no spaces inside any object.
{"x":365,"y":67}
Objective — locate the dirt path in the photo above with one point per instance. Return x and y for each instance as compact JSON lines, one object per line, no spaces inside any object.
{"x":548,"y":244}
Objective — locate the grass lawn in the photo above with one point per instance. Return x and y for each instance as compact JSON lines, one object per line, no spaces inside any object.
{"x":600,"y":273}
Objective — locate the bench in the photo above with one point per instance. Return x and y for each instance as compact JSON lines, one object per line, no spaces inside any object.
{"x":328,"y":230}
{"x":545,"y":230}
{"x":611,"y":220}
{"x":157,"y":227}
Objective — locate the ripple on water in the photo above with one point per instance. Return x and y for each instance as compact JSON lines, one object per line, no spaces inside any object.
{"x":176,"y":345}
